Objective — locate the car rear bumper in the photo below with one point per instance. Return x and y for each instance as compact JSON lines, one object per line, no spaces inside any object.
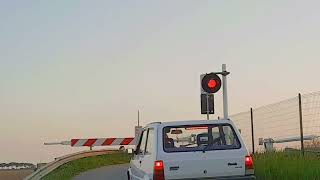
{"x":252,"y":177}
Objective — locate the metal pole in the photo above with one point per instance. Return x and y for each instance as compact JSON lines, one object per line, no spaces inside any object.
{"x":252,"y":133}
{"x":207,"y":106}
{"x":301,"y":126}
{"x":225,"y":95}
{"x":138,"y":117}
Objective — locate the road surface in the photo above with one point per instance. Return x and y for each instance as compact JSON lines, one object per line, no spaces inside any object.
{"x":115,"y":172}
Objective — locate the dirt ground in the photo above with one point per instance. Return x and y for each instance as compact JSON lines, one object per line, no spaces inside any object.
{"x":14,"y":174}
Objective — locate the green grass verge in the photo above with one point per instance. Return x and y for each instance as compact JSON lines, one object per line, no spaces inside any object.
{"x":287,"y":166}
{"x":73,"y":168}
{"x":268,"y":166}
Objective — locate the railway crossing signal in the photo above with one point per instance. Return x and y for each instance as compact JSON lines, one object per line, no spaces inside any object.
{"x":210,"y":84}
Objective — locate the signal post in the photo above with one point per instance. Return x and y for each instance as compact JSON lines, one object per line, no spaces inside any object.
{"x":210,"y":84}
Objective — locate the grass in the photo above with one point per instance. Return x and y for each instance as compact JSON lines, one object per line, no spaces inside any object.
{"x":287,"y":166}
{"x":73,"y":168}
{"x":268,"y":166}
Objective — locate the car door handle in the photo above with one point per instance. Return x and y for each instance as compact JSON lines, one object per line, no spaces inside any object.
{"x":174,"y":168}
{"x":232,"y":164}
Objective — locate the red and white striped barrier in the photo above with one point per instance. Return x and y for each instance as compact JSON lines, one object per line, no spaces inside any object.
{"x":102,"y":142}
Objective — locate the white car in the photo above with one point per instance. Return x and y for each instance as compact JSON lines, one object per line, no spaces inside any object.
{"x":191,"y":150}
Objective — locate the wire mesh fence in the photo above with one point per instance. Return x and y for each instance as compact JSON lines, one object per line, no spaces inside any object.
{"x":243,"y":123}
{"x":278,"y":124}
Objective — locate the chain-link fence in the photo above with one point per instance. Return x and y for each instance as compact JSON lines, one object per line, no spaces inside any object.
{"x":281,"y":125}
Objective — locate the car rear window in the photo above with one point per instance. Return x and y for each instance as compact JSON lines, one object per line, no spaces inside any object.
{"x":199,"y":138}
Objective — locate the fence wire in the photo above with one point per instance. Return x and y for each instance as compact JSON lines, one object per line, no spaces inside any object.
{"x":281,"y":120}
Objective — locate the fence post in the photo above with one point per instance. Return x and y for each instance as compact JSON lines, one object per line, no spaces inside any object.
{"x":252,"y":130}
{"x":301,"y":126}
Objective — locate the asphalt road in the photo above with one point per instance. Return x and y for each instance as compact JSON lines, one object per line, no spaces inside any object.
{"x":116,"y":172}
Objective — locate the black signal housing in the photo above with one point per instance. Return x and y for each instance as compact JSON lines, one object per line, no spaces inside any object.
{"x":211,"y":83}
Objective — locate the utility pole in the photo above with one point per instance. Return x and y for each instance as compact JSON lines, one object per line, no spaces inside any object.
{"x":138,"y":128}
{"x":138,"y":118}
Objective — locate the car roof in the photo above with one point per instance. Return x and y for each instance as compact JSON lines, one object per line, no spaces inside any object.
{"x":189,"y":122}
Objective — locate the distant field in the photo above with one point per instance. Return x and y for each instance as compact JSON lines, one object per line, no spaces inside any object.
{"x":14,"y":174}
{"x":73,"y":168}
{"x":287,"y":166}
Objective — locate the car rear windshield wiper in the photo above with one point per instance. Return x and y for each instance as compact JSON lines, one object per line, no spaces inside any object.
{"x":206,"y":148}
{"x":211,"y":145}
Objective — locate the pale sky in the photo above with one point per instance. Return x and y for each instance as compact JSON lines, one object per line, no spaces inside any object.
{"x":80,"y":69}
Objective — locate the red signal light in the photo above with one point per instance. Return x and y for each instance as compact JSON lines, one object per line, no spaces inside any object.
{"x":212,"y":83}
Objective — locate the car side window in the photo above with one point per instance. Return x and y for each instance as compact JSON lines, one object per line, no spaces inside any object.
{"x":142,"y":145}
{"x":150,"y":141}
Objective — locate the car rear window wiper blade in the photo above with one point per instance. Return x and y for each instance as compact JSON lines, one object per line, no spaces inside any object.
{"x":206,"y":148}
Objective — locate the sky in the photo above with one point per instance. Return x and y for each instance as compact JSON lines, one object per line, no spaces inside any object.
{"x":81,"y":69}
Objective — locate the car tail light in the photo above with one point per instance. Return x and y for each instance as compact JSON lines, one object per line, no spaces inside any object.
{"x":158,"y":173}
{"x":249,"y":162}
{"x":249,"y":165}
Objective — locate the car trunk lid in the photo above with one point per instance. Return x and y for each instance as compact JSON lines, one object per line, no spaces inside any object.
{"x":199,"y":164}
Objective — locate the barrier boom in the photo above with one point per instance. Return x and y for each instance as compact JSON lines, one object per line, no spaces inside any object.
{"x":91,"y":142}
